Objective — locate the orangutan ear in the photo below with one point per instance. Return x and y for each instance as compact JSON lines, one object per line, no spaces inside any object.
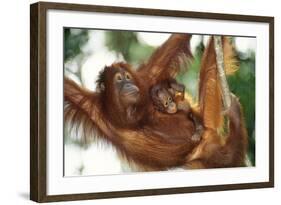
{"x":101,"y":87}
{"x":172,"y":91}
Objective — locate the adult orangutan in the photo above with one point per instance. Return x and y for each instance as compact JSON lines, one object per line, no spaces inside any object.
{"x":120,"y":113}
{"x":215,"y":150}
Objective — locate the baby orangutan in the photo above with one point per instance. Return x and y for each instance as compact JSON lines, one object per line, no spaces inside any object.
{"x":168,"y":97}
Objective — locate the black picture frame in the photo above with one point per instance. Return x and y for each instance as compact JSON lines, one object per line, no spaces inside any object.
{"x":38,"y":103}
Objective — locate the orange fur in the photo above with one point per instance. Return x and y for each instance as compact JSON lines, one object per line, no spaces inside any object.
{"x":137,"y":140}
{"x":166,"y":60}
{"x":214,"y":150}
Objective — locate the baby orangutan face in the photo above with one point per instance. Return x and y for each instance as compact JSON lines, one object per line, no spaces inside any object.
{"x":165,"y":102}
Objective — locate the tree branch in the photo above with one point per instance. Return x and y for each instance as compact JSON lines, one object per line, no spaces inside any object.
{"x":221,"y":71}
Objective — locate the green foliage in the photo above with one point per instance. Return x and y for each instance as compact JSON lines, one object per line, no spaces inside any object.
{"x":128,"y":45}
{"x":74,"y":39}
{"x":243,"y":85}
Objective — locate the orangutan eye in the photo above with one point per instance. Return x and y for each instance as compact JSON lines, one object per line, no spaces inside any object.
{"x":166,"y":104}
{"x":128,"y":76}
{"x":170,"y":99}
{"x":118,"y":77}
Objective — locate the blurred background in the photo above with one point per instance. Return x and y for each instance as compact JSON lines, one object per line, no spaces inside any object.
{"x":86,"y":52}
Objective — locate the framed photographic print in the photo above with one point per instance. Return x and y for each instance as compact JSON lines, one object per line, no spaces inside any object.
{"x":133,"y":102}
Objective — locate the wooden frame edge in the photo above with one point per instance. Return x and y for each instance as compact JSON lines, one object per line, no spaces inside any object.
{"x":38,"y":101}
{"x":153,"y":12}
{"x":34,"y":191}
{"x":271,"y":100}
{"x":155,"y":192}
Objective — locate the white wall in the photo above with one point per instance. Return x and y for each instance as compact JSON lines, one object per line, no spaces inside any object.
{"x":14,"y":109}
